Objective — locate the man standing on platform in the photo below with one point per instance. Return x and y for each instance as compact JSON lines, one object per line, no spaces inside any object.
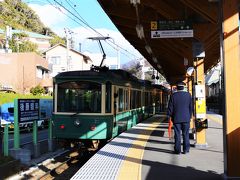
{"x":180,"y":112}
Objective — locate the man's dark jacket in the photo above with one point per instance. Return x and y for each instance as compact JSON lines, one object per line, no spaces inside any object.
{"x":180,"y":107}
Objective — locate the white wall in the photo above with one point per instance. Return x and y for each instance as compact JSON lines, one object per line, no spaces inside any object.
{"x":76,"y":61}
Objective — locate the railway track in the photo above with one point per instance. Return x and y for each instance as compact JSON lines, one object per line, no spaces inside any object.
{"x":62,"y":166}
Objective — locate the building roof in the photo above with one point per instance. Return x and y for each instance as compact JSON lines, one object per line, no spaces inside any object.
{"x":42,"y":67}
{"x":212,"y":77}
{"x":84,"y":56}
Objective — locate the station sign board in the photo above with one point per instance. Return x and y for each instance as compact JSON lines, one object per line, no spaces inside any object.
{"x":171,"y":29}
{"x":28,"y":110}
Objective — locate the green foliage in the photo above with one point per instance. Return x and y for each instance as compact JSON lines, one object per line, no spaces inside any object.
{"x":27,"y":46}
{"x":18,"y":15}
{"x":38,"y":90}
{"x":9,"y":97}
{"x":56,"y":40}
{"x":17,"y":43}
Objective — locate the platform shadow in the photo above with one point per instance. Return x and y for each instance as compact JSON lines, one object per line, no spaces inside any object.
{"x":172,"y":172}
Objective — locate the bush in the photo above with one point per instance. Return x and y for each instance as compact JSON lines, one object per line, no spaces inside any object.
{"x":9,"y":97}
{"x":38,"y":90}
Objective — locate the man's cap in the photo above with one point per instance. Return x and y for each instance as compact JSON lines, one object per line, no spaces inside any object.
{"x":181,"y":84}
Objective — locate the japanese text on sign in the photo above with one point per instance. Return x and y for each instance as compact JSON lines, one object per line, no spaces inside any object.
{"x":28,"y":109}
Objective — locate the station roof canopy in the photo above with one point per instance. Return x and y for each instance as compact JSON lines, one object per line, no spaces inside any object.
{"x":137,"y":19}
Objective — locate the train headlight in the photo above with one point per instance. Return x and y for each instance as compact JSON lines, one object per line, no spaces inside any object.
{"x":77,"y":122}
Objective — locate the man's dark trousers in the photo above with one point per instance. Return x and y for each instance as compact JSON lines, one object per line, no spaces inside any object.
{"x":184,"y":127}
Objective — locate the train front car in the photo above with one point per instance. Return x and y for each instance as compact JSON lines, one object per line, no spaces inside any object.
{"x":99,"y":104}
{"x":95,"y":104}
{"x":82,"y":106}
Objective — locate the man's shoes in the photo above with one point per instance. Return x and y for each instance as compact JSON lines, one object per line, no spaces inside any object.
{"x":185,"y":152}
{"x":176,"y":152}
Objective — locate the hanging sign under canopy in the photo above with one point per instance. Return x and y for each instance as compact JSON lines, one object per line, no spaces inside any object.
{"x":171,"y":29}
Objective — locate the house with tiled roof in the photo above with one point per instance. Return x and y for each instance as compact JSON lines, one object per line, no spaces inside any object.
{"x":58,"y":61}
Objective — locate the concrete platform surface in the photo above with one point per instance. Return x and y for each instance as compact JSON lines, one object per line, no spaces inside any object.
{"x":146,"y":153}
{"x":159,"y":162}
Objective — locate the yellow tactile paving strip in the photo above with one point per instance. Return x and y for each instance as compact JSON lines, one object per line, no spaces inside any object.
{"x":131,"y":167}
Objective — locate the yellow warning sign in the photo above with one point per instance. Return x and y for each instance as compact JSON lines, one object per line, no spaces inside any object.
{"x":201,"y":106}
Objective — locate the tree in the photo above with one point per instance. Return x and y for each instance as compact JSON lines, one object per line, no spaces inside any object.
{"x":134,"y":68}
{"x":57,"y":40}
{"x":18,"y":44}
{"x":18,"y":15}
{"x":38,"y":90}
{"x":28,"y":46}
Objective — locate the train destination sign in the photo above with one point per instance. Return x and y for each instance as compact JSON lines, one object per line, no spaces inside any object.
{"x":171,"y":29}
{"x":28,"y":110}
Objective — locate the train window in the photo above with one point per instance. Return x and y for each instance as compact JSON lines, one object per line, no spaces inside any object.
{"x":138,"y":99}
{"x":146,"y":99}
{"x":151,"y":99}
{"x":133,"y":99}
{"x":108,"y":97}
{"x":120,"y":100}
{"x":127,"y":99}
{"x":79,"y":96}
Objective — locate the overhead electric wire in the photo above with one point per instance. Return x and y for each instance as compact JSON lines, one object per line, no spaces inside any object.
{"x":58,"y":8}
{"x":67,"y":1}
{"x":84,"y":23}
{"x":95,"y":30}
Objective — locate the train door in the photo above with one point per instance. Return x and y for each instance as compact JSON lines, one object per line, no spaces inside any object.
{"x":108,"y":98}
{"x":115,"y":104}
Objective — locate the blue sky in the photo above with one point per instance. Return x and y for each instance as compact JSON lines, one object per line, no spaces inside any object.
{"x":56,"y":17}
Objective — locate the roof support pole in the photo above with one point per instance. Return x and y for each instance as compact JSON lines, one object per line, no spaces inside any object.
{"x":199,"y":103}
{"x":189,"y":81}
{"x":231,"y":71}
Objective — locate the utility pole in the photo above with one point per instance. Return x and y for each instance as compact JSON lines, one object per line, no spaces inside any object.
{"x":118,"y":58}
{"x":8,"y":36}
{"x":142,"y":63}
{"x":68,"y":32}
{"x":80,"y":47}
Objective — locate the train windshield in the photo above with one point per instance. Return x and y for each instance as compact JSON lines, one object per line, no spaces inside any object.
{"x":79,"y":97}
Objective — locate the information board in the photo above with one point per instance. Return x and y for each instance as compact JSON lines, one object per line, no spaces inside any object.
{"x":171,"y":29}
{"x":28,"y":110}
